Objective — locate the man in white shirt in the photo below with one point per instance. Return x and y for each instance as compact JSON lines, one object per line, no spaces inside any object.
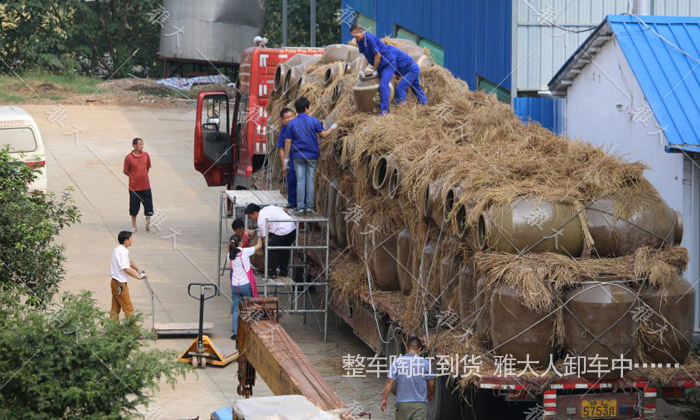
{"x":121,"y":268}
{"x":272,"y":220}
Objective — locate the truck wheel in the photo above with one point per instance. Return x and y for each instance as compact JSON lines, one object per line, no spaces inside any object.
{"x":477,"y":404}
{"x":394,"y":347}
{"x":445,"y":404}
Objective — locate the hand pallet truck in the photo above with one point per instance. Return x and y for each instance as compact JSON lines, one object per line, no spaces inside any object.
{"x":202,"y":349}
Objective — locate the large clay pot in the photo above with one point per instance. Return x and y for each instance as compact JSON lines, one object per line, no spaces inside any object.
{"x":467,"y":291}
{"x":366,"y":93}
{"x":653,"y":225}
{"x":598,"y":320}
{"x":294,"y":76}
{"x":331,"y":209}
{"x":283,"y":68}
{"x":381,"y":175}
{"x":424,"y":61}
{"x":433,"y":206}
{"x":383,"y":259}
{"x":355,"y":236}
{"x":340,"y":52}
{"x":676,"y":308}
{"x":428,"y":266}
{"x":530,"y":225}
{"x":340,"y":222}
{"x":321,"y":197}
{"x":335,"y":71}
{"x":355,"y":66}
{"x":404,"y":260}
{"x":449,"y":285}
{"x":518,"y":330}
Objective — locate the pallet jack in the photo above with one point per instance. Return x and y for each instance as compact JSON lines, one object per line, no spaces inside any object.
{"x":202,"y":349}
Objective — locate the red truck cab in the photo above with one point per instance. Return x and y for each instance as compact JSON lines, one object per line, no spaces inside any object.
{"x":230,"y":140}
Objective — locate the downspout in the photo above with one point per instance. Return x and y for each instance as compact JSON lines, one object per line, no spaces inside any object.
{"x":513,"y":51}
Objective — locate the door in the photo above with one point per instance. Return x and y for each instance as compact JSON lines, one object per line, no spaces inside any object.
{"x":213,"y":145}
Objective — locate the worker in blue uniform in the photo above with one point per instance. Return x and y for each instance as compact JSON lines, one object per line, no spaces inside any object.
{"x":287,"y":115}
{"x":382,"y":59}
{"x":408,"y":69}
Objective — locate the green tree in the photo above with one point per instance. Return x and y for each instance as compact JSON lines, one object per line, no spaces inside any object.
{"x":64,"y":35}
{"x":74,"y":362}
{"x":298,"y":22}
{"x":32,"y":35}
{"x":30,"y":259}
{"x":106,"y":34}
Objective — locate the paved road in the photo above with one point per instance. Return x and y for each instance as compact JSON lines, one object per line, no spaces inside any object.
{"x":93,"y":168}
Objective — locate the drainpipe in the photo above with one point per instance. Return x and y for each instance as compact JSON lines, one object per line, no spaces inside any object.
{"x":642,"y":7}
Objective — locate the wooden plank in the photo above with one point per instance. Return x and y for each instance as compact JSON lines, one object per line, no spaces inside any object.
{"x":284,"y":367}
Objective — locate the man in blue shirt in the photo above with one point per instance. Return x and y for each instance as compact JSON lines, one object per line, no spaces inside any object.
{"x":287,"y":115}
{"x":382,"y":59}
{"x":415,"y":383}
{"x":301,"y":148}
{"x":409,"y":71}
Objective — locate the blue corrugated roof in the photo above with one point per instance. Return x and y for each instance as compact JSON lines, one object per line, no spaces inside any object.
{"x":669,"y":75}
{"x":663,"y":53}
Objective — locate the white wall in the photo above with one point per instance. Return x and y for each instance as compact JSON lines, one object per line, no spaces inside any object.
{"x":593,"y":114}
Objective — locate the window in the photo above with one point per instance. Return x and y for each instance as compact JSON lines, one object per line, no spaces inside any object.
{"x":20,"y":139}
{"x":367,"y":23}
{"x":489,"y":87}
{"x":436,"y":51}
{"x":214,"y":114}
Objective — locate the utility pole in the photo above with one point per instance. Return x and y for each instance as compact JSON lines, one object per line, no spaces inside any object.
{"x":284,"y":23}
{"x":313,"y":23}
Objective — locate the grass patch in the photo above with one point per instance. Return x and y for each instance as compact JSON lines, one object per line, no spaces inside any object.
{"x":7,"y":97}
{"x":47,"y":86}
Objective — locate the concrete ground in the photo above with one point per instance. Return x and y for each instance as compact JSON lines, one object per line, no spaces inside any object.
{"x":93,"y":167}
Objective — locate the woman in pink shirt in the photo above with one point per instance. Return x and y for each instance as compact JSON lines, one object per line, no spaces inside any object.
{"x":241,"y":276}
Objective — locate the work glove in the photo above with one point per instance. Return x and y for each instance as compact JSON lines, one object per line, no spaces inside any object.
{"x":334,"y":126}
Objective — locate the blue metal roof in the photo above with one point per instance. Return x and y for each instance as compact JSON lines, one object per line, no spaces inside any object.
{"x":668,"y":74}
{"x":664,"y":55}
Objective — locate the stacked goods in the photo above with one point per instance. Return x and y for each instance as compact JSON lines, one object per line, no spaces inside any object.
{"x":544,"y":246}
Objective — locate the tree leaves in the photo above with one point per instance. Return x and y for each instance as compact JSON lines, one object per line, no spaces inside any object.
{"x":30,"y":259}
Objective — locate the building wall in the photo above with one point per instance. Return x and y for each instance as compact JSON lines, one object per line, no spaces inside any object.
{"x":474,"y":34}
{"x":597,"y":111}
{"x":542,"y":47}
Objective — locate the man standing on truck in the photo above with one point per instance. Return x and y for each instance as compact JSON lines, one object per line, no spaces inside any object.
{"x":120,"y":269}
{"x":382,"y":59}
{"x":409,"y":71}
{"x":136,"y":166}
{"x":282,"y":231}
{"x":301,"y":148}
{"x":287,"y":115}
{"x":415,"y":383}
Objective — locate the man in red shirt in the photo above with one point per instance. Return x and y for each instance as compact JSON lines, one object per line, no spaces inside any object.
{"x":136,"y":166}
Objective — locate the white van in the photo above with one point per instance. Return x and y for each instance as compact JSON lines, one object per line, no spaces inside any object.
{"x":19,"y":131}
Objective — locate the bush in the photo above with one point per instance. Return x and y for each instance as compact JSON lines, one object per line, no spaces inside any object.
{"x":75,"y":362}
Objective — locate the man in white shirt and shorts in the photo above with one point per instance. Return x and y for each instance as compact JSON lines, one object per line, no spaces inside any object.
{"x":281,"y":231}
{"x":121,"y":268}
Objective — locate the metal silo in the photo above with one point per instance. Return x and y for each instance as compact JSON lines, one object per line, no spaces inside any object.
{"x":214,"y":31}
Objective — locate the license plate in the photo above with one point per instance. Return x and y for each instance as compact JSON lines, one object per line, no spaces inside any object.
{"x":598,"y":408}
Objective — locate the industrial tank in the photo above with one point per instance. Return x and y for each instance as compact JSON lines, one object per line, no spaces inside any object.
{"x":209,"y":30}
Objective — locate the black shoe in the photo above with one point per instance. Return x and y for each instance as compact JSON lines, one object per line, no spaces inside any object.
{"x":233,"y":337}
{"x":289,"y":206}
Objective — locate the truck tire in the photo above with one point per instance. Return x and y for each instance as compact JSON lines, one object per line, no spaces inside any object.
{"x":477,"y":404}
{"x":445,"y":404}
{"x":394,"y":347}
